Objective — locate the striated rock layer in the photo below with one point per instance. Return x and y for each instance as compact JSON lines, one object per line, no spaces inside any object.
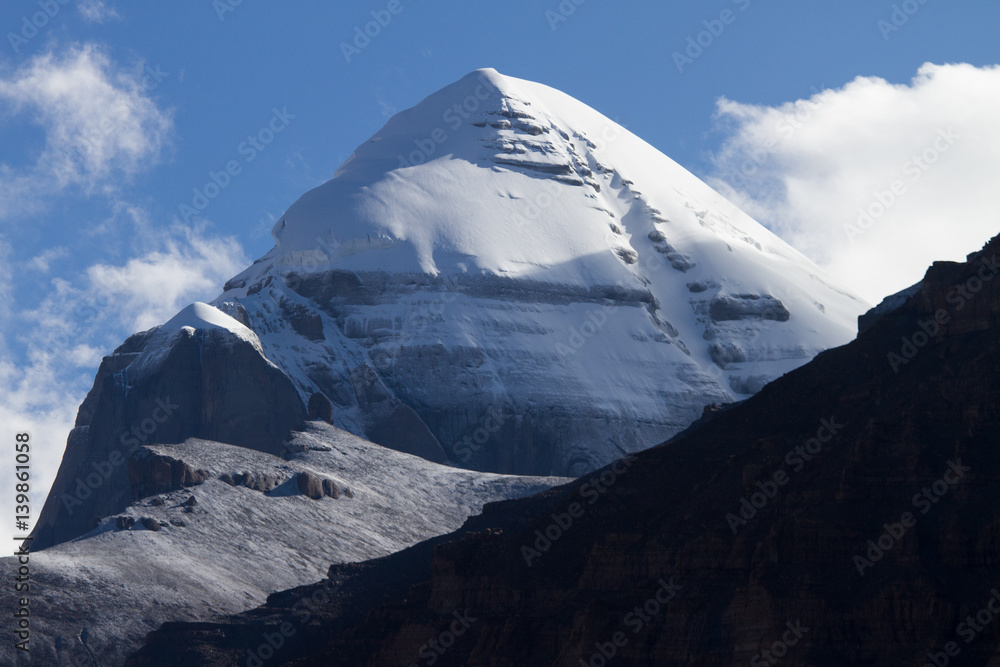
{"x":846,"y":515}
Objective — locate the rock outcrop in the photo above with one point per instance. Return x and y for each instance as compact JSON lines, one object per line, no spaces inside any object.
{"x":164,"y":386}
{"x":320,"y":407}
{"x":255,"y":481}
{"x":317,"y":488}
{"x":887,"y":305}
{"x":150,"y":473}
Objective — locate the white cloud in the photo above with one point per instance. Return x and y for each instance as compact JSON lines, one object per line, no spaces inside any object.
{"x":37,"y":399}
{"x":95,"y":11}
{"x":43,"y":262}
{"x":807,"y":169}
{"x":6,"y":282}
{"x":150,"y":289}
{"x":100,"y":126}
{"x":62,"y":339}
{"x":85,"y":356}
{"x":108,"y":302}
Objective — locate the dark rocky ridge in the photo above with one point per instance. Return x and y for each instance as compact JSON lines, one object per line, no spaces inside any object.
{"x":207,"y":384}
{"x":913,"y":405}
{"x":888,"y":304}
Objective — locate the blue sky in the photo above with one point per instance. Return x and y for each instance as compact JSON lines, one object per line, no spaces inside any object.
{"x":113,"y":113}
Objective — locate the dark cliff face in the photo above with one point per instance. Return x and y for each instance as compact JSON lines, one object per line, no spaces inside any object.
{"x":208,"y":384}
{"x":847,"y":514}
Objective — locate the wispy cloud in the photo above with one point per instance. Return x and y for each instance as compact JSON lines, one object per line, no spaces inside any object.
{"x":874,"y":181}
{"x":43,"y":262}
{"x":107,"y":302}
{"x":35,"y":396}
{"x":95,"y":11}
{"x":100,"y":124}
{"x":150,"y":289}
{"x":40,"y":397}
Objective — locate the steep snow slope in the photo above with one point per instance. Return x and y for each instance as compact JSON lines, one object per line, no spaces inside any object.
{"x":94,"y":599}
{"x":544,"y":289}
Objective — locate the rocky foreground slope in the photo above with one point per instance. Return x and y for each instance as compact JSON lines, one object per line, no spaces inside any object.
{"x":846,"y":515}
{"x":214,"y":529}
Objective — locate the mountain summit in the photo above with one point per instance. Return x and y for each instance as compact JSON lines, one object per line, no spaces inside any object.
{"x":506,"y":279}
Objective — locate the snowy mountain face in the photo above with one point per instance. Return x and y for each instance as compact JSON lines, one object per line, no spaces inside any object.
{"x":259,"y":523}
{"x":505,"y":279}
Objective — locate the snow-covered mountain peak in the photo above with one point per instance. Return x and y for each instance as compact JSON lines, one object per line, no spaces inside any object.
{"x":201,"y":316}
{"x":458,"y":184}
{"x":497,"y":175}
{"x":499,"y":227}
